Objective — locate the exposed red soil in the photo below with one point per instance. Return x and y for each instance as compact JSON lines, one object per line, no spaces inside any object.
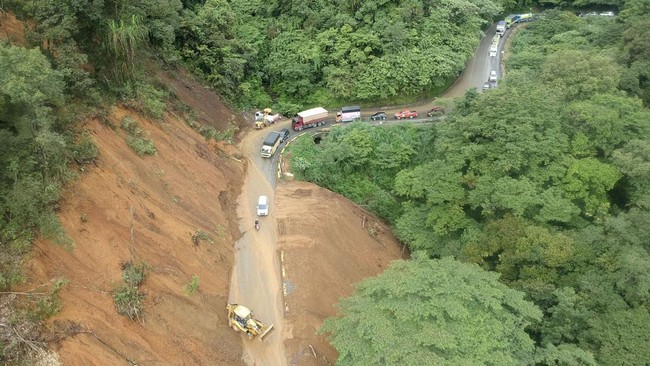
{"x":328,"y":244}
{"x":129,"y":208}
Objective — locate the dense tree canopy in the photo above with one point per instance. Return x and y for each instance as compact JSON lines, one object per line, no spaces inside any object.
{"x":321,"y":51}
{"x":433,"y":312}
{"x":33,"y":152}
{"x":543,"y":180}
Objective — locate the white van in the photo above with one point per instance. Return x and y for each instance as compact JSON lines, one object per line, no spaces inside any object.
{"x":262,"y":206}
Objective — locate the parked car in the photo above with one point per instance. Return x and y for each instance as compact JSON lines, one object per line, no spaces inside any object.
{"x":607,"y":14}
{"x":379,"y":116}
{"x":486,"y":86}
{"x":284,"y":134}
{"x":436,"y":111}
{"x":493,"y":75}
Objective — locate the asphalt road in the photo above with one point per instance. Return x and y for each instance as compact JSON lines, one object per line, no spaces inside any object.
{"x":477,"y":69}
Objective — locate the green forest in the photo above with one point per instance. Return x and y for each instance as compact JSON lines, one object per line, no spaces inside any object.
{"x":539,"y":191}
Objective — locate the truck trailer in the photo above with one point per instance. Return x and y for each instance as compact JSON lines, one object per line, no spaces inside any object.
{"x":270,"y":144}
{"x":310,"y":118}
{"x":348,"y":114}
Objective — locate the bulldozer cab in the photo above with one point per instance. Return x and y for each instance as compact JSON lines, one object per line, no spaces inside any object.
{"x":242,"y":315}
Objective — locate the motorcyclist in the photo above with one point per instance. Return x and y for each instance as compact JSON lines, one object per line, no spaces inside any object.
{"x":257,"y":224}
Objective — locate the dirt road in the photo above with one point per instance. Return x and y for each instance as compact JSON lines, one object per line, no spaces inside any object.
{"x":255,"y":281}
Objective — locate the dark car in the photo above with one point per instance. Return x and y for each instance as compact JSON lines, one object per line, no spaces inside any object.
{"x":379,"y":116}
{"x":436,"y":111}
{"x":284,"y":134}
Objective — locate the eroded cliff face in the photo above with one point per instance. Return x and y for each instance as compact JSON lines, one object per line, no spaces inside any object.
{"x":175,"y":212}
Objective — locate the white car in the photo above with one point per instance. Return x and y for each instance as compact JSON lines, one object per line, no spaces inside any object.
{"x":607,"y":14}
{"x":493,"y":75}
{"x":262,"y":206}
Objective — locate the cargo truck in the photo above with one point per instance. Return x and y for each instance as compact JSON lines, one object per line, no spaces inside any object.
{"x":511,"y":19}
{"x":348,"y":114}
{"x":310,"y":118}
{"x":494,"y":49}
{"x":501,"y":27}
{"x":523,"y":18}
{"x":270,"y":144}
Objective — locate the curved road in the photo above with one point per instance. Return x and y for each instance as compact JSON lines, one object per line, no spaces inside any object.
{"x":477,"y":69}
{"x":256,"y":280}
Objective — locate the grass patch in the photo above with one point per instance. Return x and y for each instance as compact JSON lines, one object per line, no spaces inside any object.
{"x":142,"y":146}
{"x":220,"y":232}
{"x":136,"y":139}
{"x":128,"y":298}
{"x":192,"y":286}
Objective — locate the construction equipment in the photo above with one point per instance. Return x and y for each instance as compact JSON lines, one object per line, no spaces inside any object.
{"x":265,"y":118}
{"x":240,"y":319}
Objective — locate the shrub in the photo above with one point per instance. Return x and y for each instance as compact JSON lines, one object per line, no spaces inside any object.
{"x":85,"y":151}
{"x":128,"y":298}
{"x":141,"y":146}
{"x":200,"y":235}
{"x":132,"y":127}
{"x":227,"y":135}
{"x":145,"y":98}
{"x":50,"y":303}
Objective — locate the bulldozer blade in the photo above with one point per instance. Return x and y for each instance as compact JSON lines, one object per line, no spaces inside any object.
{"x":266,"y":332}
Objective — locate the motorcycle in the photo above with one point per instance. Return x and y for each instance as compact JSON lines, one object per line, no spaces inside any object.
{"x":257,"y":224}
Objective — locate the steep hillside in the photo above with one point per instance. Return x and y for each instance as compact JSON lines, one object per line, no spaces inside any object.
{"x":151,"y":210}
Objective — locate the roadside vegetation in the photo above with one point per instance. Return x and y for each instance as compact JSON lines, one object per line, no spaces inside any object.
{"x":542,"y":181}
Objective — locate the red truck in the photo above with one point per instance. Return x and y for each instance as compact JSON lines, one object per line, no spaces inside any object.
{"x":406,"y":114}
{"x":310,"y":118}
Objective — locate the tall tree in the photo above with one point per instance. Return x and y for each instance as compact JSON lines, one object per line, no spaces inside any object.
{"x":433,"y":312}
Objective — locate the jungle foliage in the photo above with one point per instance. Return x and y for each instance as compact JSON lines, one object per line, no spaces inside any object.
{"x":318,"y":51}
{"x":543,"y":181}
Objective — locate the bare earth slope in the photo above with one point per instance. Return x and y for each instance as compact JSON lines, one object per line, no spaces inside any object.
{"x":147,"y":209}
{"x":328,"y":244}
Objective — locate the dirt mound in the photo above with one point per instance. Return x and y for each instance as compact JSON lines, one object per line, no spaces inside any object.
{"x":327,"y":244}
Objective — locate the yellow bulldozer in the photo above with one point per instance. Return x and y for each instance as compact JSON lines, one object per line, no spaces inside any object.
{"x":240,"y":319}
